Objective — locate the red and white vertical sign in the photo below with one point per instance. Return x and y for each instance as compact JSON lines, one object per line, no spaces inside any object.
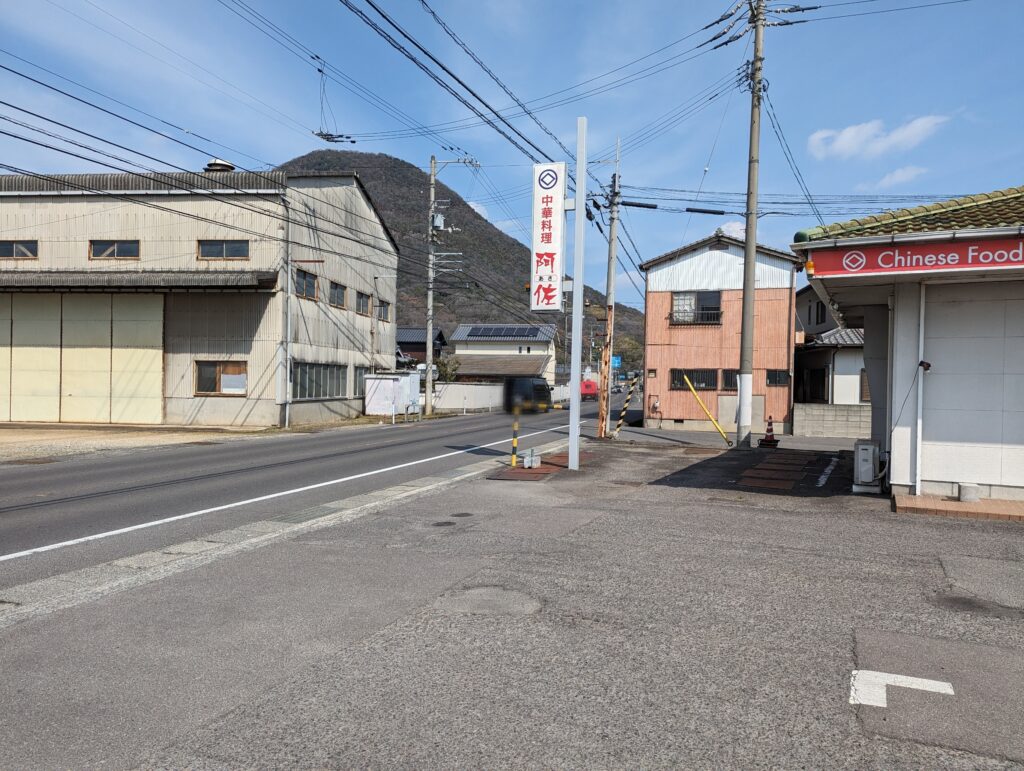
{"x":547,"y":268}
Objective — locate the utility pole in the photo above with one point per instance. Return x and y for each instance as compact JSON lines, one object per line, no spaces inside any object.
{"x":428,"y":400}
{"x":605,"y":385}
{"x":428,"y":406}
{"x":746,"y":374}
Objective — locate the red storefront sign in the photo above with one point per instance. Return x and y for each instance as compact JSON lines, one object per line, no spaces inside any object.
{"x":926,"y":257}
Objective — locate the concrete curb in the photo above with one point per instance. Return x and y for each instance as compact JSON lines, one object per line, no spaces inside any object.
{"x":26,"y":602}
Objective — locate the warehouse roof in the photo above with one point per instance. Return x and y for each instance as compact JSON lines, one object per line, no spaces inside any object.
{"x":181,"y":181}
{"x":503,"y":333}
{"x":1000,"y":208}
{"x":509,"y":365}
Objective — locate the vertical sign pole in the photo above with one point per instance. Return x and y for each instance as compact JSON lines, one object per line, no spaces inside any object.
{"x":580,"y":222}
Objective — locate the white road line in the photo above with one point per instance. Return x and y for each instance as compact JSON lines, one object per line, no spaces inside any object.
{"x":271,"y":496}
{"x":868,"y":687}
{"x":827,"y":472}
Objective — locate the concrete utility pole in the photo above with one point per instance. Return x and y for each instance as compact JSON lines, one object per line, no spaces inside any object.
{"x":605,"y":384}
{"x":428,"y":406}
{"x":580,"y":229}
{"x":746,"y":375}
{"x":428,"y":400}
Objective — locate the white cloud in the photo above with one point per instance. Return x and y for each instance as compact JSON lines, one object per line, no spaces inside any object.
{"x":896,"y":177}
{"x":479,"y":208}
{"x":871,"y":140}
{"x":734,"y":229}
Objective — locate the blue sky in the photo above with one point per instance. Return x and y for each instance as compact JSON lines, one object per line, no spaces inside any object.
{"x":918,"y":102}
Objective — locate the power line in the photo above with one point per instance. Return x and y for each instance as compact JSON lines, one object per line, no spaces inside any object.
{"x":790,"y":160}
{"x":469,"y":51}
{"x":869,"y":13}
{"x":431,"y":74}
{"x":539,"y":104}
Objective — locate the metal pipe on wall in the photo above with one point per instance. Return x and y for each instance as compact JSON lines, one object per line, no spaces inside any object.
{"x":287,"y":312}
{"x":920,"y":391}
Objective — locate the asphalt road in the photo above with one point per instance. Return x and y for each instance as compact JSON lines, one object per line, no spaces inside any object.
{"x":82,"y":496}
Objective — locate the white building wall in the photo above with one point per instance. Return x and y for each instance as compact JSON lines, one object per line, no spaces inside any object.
{"x":846,"y":385}
{"x":717,"y":268}
{"x":535,"y":348}
{"x":904,"y":388}
{"x":973,"y":417}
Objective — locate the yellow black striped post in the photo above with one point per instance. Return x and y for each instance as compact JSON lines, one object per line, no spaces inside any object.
{"x":515,"y":435}
{"x":625,"y":407}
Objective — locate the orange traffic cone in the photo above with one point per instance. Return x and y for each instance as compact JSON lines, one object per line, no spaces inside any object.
{"x":769,"y":436}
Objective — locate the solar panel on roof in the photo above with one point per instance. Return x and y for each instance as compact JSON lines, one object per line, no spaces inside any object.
{"x":475,"y":332}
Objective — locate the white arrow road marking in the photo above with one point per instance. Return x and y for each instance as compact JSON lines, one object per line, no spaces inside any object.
{"x":868,"y":687}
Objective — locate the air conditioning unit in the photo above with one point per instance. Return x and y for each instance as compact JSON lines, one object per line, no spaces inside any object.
{"x":866,"y":478}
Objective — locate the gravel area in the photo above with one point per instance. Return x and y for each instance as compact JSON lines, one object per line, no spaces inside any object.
{"x":24,"y":443}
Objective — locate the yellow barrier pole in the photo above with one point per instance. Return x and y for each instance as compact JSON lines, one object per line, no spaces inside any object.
{"x":706,"y":412}
{"x":515,"y":435}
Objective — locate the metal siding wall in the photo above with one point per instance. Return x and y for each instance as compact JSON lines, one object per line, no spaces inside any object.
{"x":35,"y":357}
{"x":717,"y":269}
{"x":5,"y":357}
{"x":320,"y":332}
{"x":221,"y":327}
{"x":136,"y":379}
{"x":85,"y":358}
{"x":64,"y":225}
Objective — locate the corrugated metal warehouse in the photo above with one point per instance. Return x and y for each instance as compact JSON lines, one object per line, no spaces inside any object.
{"x":214,"y":298}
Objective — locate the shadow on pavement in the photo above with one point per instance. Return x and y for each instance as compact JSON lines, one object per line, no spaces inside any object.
{"x":798,"y":473}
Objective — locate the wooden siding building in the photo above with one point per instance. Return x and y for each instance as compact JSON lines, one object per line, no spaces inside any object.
{"x":693,"y":319}
{"x":206,"y":298}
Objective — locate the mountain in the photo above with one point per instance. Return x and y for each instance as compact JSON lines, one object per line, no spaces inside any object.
{"x":493,"y":286}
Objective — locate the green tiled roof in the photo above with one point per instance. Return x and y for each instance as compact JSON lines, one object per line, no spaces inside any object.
{"x":1002,"y":208}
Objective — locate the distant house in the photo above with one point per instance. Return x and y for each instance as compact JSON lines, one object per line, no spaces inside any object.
{"x":830,"y":382}
{"x":830,"y":361}
{"x":496,"y":351}
{"x":694,"y":304}
{"x":412,"y":343}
